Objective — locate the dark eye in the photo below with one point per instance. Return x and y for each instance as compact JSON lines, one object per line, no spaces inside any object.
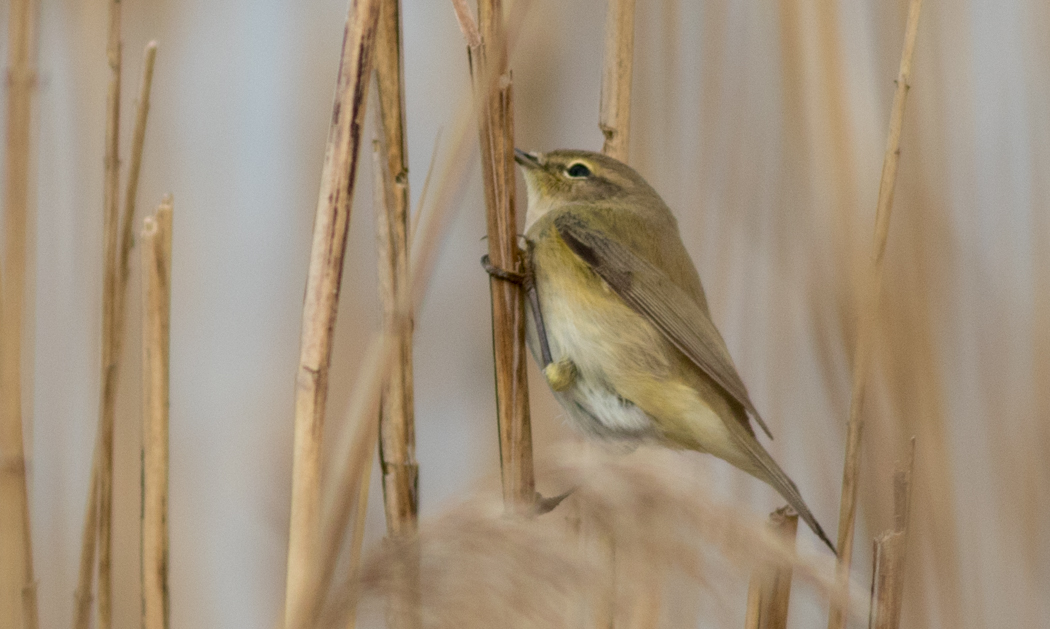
{"x":578,"y":171}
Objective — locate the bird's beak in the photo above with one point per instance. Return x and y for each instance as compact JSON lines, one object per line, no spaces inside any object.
{"x":526,"y":160}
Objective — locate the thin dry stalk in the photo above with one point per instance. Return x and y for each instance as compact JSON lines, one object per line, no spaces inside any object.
{"x":770,"y":589}
{"x":86,"y":574}
{"x":138,"y":141}
{"x":17,"y":583}
{"x":614,"y":117}
{"x":866,"y":327}
{"x":322,"y":295}
{"x":357,"y":539}
{"x":156,"y":313}
{"x":397,"y":437}
{"x":492,"y":87}
{"x":887,"y":581}
{"x":108,"y":394}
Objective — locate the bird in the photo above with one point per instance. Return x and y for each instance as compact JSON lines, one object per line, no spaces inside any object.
{"x":619,"y":322}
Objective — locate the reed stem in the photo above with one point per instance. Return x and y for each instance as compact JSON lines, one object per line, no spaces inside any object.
{"x":156,"y":314}
{"x":397,"y":442}
{"x":614,"y":118}
{"x":493,"y":90}
{"x":321,"y":300}
{"x":887,"y":580}
{"x":866,"y":326}
{"x":109,"y":365}
{"x":17,"y":581}
{"x":396,"y":425}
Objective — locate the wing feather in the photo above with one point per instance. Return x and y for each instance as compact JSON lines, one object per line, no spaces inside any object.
{"x":649,"y":292}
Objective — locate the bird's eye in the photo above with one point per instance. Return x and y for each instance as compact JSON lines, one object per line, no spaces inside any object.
{"x":578,"y":170}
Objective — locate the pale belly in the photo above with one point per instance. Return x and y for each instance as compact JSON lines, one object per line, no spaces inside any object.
{"x":588,"y":338}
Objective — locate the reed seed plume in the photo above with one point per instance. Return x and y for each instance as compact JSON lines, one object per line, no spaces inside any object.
{"x":479,"y":568}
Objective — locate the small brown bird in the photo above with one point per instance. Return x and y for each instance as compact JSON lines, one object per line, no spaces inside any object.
{"x":629,"y":347}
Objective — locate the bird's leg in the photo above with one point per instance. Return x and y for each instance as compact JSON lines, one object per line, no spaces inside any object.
{"x":526,"y":278}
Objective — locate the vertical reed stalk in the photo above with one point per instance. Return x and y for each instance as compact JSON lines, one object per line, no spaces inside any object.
{"x":108,"y":395}
{"x":887,"y":581}
{"x":487,"y":51}
{"x":397,"y":440}
{"x":321,"y":300}
{"x":770,"y":589}
{"x":396,"y":425}
{"x":614,"y":117}
{"x":866,"y":325}
{"x":138,"y":141}
{"x":17,"y":583}
{"x":156,"y":313}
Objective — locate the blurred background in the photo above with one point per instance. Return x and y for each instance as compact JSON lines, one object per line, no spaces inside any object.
{"x":762,"y":123}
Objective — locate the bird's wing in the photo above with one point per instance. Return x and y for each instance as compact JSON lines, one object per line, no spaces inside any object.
{"x":648,"y":291}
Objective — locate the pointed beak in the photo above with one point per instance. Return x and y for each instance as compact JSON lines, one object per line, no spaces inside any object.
{"x":526,"y":160}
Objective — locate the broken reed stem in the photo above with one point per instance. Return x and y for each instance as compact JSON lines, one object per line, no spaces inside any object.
{"x":323,"y":281}
{"x":156,"y":313}
{"x":614,"y":118}
{"x":17,"y":582}
{"x":887,"y":580}
{"x":868,"y":318}
{"x":396,"y":424}
{"x":493,"y":94}
{"x":108,"y":394}
{"x":770,"y":589}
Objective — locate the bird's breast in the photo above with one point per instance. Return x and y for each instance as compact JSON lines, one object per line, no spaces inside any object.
{"x":606,"y":341}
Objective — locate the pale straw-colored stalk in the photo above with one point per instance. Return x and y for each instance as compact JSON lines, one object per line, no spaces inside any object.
{"x":868,"y":319}
{"x":156,"y":317}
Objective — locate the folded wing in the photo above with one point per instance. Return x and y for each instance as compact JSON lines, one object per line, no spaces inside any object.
{"x":650,"y":293}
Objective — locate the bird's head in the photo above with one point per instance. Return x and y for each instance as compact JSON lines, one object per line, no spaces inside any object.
{"x":569,"y":176}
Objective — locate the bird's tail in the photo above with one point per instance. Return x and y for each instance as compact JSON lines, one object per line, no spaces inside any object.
{"x":768,"y":471}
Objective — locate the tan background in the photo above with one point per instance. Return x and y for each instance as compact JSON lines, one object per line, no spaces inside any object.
{"x":762,"y":123}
